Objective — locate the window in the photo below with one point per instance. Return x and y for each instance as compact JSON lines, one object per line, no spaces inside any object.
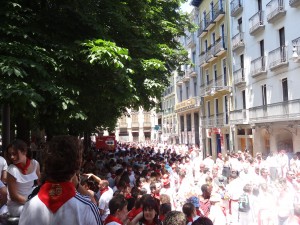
{"x":195,"y":87}
{"x":226,"y":109}
{"x":285,"y":93}
{"x":187,"y":91}
{"x":224,"y":72}
{"x":189,"y":122}
{"x":206,"y":45}
{"x":262,"y":48}
{"x":240,"y":21}
{"x":242,"y":64}
{"x":180,"y":94}
{"x":207,"y":77}
{"x":244,"y":99}
{"x":213,"y":38}
{"x":217,"y":106}
{"x":215,"y":72}
{"x":264,"y":94}
{"x":208,"y":109}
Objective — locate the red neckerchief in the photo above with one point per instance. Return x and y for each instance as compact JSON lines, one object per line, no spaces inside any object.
{"x":161,"y":217}
{"x":198,"y":212}
{"x":55,"y":194}
{"x":112,"y":218}
{"x":134,"y":212}
{"x":24,"y":168}
{"x":190,"y":219}
{"x":103,"y":190}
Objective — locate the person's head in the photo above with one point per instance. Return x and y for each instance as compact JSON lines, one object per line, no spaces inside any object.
{"x":175,"y":218}
{"x":103,"y":185}
{"x":206,"y":191}
{"x":264,"y":172}
{"x":150,"y":210}
{"x":62,"y":158}
{"x":164,"y":198}
{"x":202,"y":221}
{"x":118,"y":207}
{"x":290,"y":175}
{"x":189,"y":210}
{"x":247,"y":188}
{"x":17,"y":151}
{"x":165,"y":208}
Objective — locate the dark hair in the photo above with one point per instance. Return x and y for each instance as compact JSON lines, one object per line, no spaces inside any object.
{"x":165,"y":208}
{"x":18,"y":145}
{"x":188,"y":209}
{"x":62,"y":158}
{"x":118,"y":202}
{"x":151,"y":203}
{"x":202,"y":221}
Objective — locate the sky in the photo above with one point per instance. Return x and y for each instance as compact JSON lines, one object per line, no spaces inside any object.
{"x":186,"y":7}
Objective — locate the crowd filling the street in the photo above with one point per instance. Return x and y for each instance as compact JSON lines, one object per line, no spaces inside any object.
{"x":148,"y":183}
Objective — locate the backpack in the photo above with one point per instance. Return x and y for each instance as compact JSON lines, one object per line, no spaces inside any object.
{"x":244,"y":205}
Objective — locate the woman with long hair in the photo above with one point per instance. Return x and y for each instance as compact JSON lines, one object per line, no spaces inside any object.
{"x":150,"y":213}
{"x":21,"y":174}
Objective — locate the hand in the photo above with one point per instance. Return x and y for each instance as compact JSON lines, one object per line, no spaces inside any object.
{"x":88,"y":175}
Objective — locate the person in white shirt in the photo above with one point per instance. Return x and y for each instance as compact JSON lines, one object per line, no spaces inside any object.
{"x":58,"y":201}
{"x":106,"y":194}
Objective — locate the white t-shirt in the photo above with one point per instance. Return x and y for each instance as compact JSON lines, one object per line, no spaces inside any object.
{"x":24,"y":186}
{"x":103,"y":202}
{"x":3,"y":166}
{"x":76,"y":211}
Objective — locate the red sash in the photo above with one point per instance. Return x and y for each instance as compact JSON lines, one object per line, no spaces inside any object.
{"x":54,"y":195}
{"x":112,"y":218}
{"x":103,"y":190}
{"x":24,"y":168}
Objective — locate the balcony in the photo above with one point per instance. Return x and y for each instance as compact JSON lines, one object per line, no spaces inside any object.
{"x":220,"y":46}
{"x":205,"y":89}
{"x":258,"y":67}
{"x":296,"y":50}
{"x":236,"y":7}
{"x":239,"y":77}
{"x":221,"y":84}
{"x":238,"y":42}
{"x":218,"y":11}
{"x":123,"y":125}
{"x":190,"y":40}
{"x":202,"y":31}
{"x":210,"y":54}
{"x":219,"y":120}
{"x":278,"y":58}
{"x":281,"y":111}
{"x":186,"y":76}
{"x":210,"y":23}
{"x":135,"y":124}
{"x":239,"y":116}
{"x":256,"y":23}
{"x":208,"y":122}
{"x":179,"y":80}
{"x":275,"y":10}
{"x":192,"y":71}
{"x":202,"y":59}
{"x":294,"y":3}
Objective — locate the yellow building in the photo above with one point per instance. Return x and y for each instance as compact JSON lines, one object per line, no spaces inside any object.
{"x":215,"y":79}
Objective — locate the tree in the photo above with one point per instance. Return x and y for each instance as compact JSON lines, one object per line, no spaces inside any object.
{"x":71,"y":66}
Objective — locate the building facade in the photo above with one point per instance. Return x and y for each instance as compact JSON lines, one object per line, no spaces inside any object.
{"x":138,"y":126}
{"x":215,"y":79}
{"x":265,"y":116}
{"x":187,"y":105}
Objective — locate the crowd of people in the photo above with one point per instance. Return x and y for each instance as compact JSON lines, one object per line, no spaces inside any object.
{"x":148,"y":184}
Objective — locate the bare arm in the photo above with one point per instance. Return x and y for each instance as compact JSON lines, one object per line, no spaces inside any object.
{"x":3,"y":194}
{"x":13,"y":192}
{"x":136,"y":219}
{"x":4,"y":176}
{"x":97,"y":179}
